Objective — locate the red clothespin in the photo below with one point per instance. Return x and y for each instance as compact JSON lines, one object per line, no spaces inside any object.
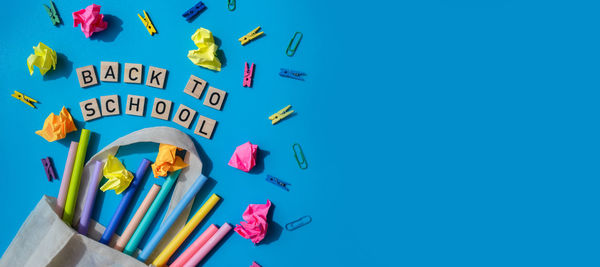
{"x":248,"y":73}
{"x":47,"y":162}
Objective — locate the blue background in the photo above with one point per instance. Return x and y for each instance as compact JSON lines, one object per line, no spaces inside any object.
{"x":453,"y":133}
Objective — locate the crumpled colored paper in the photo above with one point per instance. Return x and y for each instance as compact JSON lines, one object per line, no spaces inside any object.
{"x":255,"y":227}
{"x":206,"y":54}
{"x":43,"y":57}
{"x":57,"y":127}
{"x":254,"y":264}
{"x":244,"y":157}
{"x":166,"y":161}
{"x":118,"y":177}
{"x":90,"y":20}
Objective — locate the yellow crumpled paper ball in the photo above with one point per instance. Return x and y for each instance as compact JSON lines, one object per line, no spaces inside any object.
{"x":167,"y":160}
{"x":118,"y":177}
{"x":57,"y":127}
{"x":43,"y":57}
{"x":206,"y":54}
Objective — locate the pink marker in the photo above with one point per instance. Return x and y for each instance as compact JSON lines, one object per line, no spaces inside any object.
{"x":210,"y":244}
{"x":66,"y":179}
{"x":194,"y":247}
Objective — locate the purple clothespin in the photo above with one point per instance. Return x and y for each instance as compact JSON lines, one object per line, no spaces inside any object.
{"x":248,"y":73}
{"x":49,"y":169}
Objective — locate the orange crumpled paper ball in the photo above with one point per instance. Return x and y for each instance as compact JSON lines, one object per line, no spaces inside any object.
{"x":57,"y":127}
{"x":167,"y":160}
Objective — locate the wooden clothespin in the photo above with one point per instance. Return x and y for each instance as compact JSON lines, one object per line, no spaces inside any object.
{"x":248,"y":73}
{"x":292,"y":74}
{"x":147,"y":23}
{"x":25,"y":99}
{"x":49,"y":169}
{"x":52,"y":13}
{"x":275,"y":118}
{"x":190,"y":13}
{"x":250,"y":36}
{"x":278,"y":182}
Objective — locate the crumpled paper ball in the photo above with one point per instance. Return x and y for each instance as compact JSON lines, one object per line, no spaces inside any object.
{"x":90,"y":20}
{"x":43,"y":57}
{"x":254,"y":264}
{"x":57,"y":127}
{"x":167,"y":160}
{"x":244,"y":157}
{"x":206,"y":54}
{"x":118,"y":177}
{"x":255,"y":227}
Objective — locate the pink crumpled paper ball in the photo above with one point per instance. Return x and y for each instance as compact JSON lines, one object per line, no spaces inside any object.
{"x":244,"y":157}
{"x":90,"y":20}
{"x":255,"y":226}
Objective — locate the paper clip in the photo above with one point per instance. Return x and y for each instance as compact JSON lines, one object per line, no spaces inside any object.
{"x":47,"y":162}
{"x":250,"y":36}
{"x":248,"y":73}
{"x":194,"y":10}
{"x":281,"y":114}
{"x":290,"y":51}
{"x":147,"y":23}
{"x":304,"y":220}
{"x":231,"y":5}
{"x":278,"y":182}
{"x":298,"y":152}
{"x":292,"y":74}
{"x":25,"y":99}
{"x":52,"y":13}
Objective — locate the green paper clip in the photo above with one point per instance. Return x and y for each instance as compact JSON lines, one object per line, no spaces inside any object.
{"x":302,"y":161}
{"x":291,"y":51}
{"x":231,"y":5}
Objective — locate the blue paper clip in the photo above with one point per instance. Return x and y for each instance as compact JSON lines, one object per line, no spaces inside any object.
{"x":194,"y":10}
{"x":304,"y":220}
{"x":292,"y":74}
{"x":278,"y":182}
{"x":47,"y":162}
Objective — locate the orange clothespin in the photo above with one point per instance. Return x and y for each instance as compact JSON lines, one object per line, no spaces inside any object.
{"x":147,"y":23}
{"x":250,"y":36}
{"x":25,"y":99}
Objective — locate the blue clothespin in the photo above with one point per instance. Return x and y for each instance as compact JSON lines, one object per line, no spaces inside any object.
{"x":194,"y":10}
{"x":47,"y":162}
{"x":292,"y":74}
{"x":278,"y":182}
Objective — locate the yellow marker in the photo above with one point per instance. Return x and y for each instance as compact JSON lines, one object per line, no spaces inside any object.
{"x":148,"y":23}
{"x":275,"y":118}
{"x":25,"y":99}
{"x":250,"y":36}
{"x":174,"y":244}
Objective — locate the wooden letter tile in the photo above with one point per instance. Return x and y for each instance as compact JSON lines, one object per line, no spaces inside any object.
{"x":135,"y":105}
{"x":184,"y":116}
{"x":214,"y":98}
{"x":205,"y":127}
{"x":195,"y":86}
{"x":109,"y":71}
{"x":90,"y":109}
{"x":156,"y":77}
{"x":110,"y":105}
{"x":161,"y":109}
{"x":87,"y":76}
{"x":133,"y":73}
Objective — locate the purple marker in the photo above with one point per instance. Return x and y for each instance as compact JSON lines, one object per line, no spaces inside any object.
{"x":127,"y":197}
{"x":84,"y":221}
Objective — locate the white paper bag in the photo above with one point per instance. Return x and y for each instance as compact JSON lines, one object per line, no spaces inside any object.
{"x":45,"y":240}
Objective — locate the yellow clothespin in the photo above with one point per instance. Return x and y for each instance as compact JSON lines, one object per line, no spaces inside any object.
{"x":280,"y":115}
{"x":148,"y":23}
{"x":250,"y":36}
{"x":25,"y":99}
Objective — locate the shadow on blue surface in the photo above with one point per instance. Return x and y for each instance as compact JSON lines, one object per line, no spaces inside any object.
{"x":64,"y":67}
{"x":220,"y":53}
{"x":261,"y":154}
{"x":274,"y":229}
{"x":207,"y":164}
{"x":111,"y":32}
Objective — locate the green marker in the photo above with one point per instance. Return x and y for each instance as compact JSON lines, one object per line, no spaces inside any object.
{"x":151,"y":213}
{"x":76,"y":177}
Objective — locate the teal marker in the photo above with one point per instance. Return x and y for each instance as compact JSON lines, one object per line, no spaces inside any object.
{"x":151,"y":213}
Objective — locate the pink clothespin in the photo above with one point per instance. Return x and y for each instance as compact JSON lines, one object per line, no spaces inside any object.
{"x":47,"y":162}
{"x":248,"y":73}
